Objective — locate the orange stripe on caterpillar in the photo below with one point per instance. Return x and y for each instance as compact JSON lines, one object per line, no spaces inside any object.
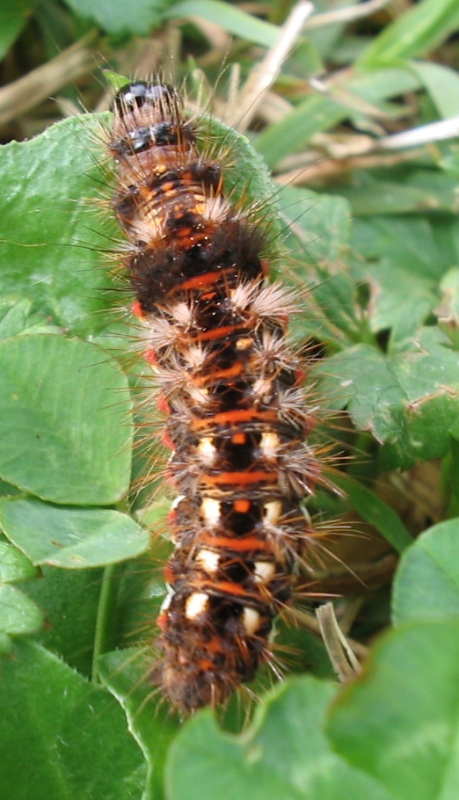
{"x":235,"y":417}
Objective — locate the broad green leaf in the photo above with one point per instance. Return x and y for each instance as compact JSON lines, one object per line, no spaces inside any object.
{"x":284,"y":754}
{"x":17,"y":316}
{"x":71,"y":440}
{"x":399,"y":722}
{"x":409,"y":400}
{"x":69,"y":537}
{"x":14,"y":565}
{"x":410,"y":243}
{"x":70,"y":600}
{"x":448,"y":311}
{"x":317,"y":237}
{"x":413,"y":33}
{"x":6,"y":644}
{"x":318,"y":224}
{"x":427,"y":580}
{"x":399,"y":300}
{"x":126,"y":674}
{"x":401,"y":262}
{"x":52,"y":241}
{"x":118,"y":17}
{"x":19,"y":615}
{"x":61,"y":737}
{"x":247,"y":179}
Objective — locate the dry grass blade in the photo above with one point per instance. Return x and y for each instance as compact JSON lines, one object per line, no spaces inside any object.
{"x":341,"y":655}
{"x":27,"y":92}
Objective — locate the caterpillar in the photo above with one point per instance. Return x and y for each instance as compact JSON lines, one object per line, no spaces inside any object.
{"x":232,"y":385}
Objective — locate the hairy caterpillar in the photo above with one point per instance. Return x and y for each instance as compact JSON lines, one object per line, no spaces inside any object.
{"x":238,"y":417}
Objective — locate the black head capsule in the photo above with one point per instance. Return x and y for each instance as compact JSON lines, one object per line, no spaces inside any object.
{"x":137,"y":94}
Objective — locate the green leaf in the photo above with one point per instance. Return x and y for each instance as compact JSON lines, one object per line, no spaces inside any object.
{"x":314,"y":114}
{"x":448,"y":311}
{"x":247,"y":179}
{"x":319,"y":112}
{"x":13,"y":17}
{"x":408,"y":400}
{"x":376,"y":512}
{"x":284,"y":754}
{"x":318,"y":234}
{"x":427,"y":580}
{"x":16,"y":316}
{"x":70,"y":600}
{"x":399,"y":300}
{"x":231,"y":18}
{"x":401,"y":262}
{"x":327,"y":37}
{"x":14,"y":566}
{"x":450,"y":162}
{"x":115,"y":80}
{"x":71,"y":538}
{"x":71,"y":444}
{"x":19,"y":615}
{"x":399,"y":721}
{"x":118,"y":17}
{"x":6,"y":644}
{"x":442,"y":84}
{"x":126,"y":673}
{"x":410,"y":243}
{"x":420,"y":190}
{"x":51,"y":245}
{"x":318,"y":223}
{"x":413,"y":33}
{"x":70,"y":737}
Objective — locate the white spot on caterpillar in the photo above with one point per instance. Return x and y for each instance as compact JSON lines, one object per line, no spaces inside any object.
{"x":272,"y":512}
{"x":216,"y":208}
{"x":161,"y":332}
{"x":243,"y":294}
{"x":274,"y":302}
{"x":210,"y":510}
{"x":207,"y":450}
{"x":271,"y":301}
{"x":293,"y":408}
{"x":262,"y":389}
{"x":263,"y":570}
{"x":182,"y":313}
{"x":273,"y":352}
{"x":147,"y":229}
{"x":244,"y":343}
{"x":209,"y":560}
{"x":269,"y":444}
{"x":194,"y":356}
{"x":250,"y":621}
{"x":196,"y":605}
{"x":197,"y":394}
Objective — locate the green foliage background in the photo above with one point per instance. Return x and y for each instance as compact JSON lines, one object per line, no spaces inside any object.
{"x":378,"y":238}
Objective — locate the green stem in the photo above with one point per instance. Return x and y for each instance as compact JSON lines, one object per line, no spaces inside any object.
{"x":106,"y":615}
